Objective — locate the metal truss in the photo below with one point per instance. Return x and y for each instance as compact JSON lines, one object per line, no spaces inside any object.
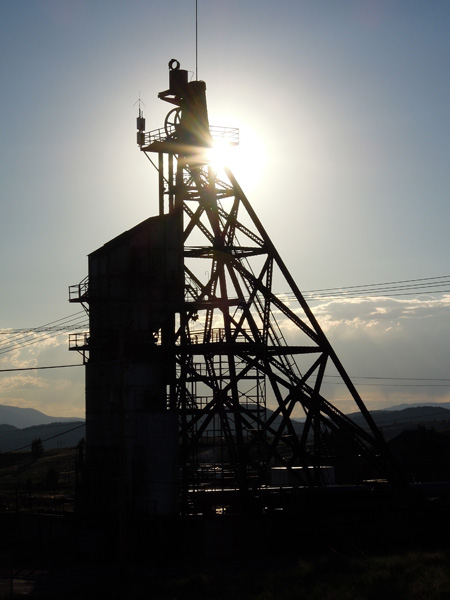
{"x":248,"y":360}
{"x":251,"y":364}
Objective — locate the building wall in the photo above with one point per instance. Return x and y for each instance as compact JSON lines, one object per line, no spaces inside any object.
{"x":135,"y":288}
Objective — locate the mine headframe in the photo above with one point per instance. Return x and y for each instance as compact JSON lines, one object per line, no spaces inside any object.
{"x":249,"y":365}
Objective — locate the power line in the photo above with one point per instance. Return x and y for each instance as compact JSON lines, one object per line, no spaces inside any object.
{"x":406,"y":379}
{"x":352,"y":287}
{"x":401,"y":378}
{"x":34,"y":340}
{"x":380,"y":294}
{"x":66,"y":323}
{"x":43,"y":327}
{"x":406,"y":287}
{"x":40,"y":368}
{"x":366,"y":381}
{"x":21,"y":338}
{"x":52,"y":437}
{"x":18,"y":339}
{"x":402,"y":385}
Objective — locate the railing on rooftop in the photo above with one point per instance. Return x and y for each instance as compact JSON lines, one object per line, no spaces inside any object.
{"x":226,"y":135}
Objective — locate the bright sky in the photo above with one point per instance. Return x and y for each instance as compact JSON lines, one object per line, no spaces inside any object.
{"x":347,"y":104}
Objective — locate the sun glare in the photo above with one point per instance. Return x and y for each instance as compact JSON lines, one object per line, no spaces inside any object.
{"x":247,"y":161}
{"x":221,"y":155}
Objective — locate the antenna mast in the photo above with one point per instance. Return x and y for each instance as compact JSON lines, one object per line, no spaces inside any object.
{"x":196,"y":40}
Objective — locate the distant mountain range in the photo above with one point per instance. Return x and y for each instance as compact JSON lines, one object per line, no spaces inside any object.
{"x":392,"y":422}
{"x":420,"y":405}
{"x":20,"y":426}
{"x":28,"y":417}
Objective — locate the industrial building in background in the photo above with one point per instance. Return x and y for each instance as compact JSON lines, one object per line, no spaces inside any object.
{"x":205,"y":367}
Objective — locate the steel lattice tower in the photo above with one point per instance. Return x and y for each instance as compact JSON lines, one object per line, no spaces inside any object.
{"x":197,"y":369}
{"x":236,"y":346}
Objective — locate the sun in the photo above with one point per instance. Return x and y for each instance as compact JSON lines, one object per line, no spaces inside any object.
{"x":220,"y":155}
{"x":247,"y":161}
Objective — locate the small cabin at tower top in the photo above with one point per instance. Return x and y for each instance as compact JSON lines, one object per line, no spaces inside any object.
{"x":186,"y":127}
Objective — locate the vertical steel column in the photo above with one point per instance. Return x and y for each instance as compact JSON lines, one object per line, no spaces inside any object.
{"x":170,"y":178}
{"x":161,"y":182}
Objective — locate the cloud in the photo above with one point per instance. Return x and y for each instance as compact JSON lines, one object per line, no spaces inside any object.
{"x":381,"y":313}
{"x":57,"y":392}
{"x":25,"y":351}
{"x":20,"y":382}
{"x":395,"y":350}
{"x":402,"y":343}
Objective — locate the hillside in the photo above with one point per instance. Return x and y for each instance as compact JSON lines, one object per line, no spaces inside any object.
{"x":5,"y":428}
{"x":393,"y":422}
{"x":65,"y":432}
{"x":53,"y":435}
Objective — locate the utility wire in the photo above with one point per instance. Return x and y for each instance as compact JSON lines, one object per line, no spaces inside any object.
{"x":52,"y":437}
{"x":406,"y":379}
{"x":40,"y":368}
{"x":407,"y":287}
{"x":414,"y":287}
{"x":43,"y":327}
{"x":380,"y":294}
{"x":67,"y":324}
{"x":402,"y":385}
{"x":369,"y":285}
{"x":397,"y":378}
{"x":380,"y":380}
{"x":23,"y":338}
{"x":35,"y":340}
{"x":19,"y":337}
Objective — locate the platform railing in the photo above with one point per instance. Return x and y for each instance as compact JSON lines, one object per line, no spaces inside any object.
{"x":79,"y":292}
{"x":226,"y":135}
{"x":79,"y":341}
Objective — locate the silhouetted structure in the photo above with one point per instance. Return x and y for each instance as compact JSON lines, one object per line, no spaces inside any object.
{"x":190,"y":344}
